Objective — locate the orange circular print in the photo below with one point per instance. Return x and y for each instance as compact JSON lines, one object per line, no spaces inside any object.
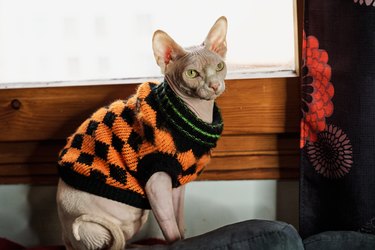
{"x":316,"y":90}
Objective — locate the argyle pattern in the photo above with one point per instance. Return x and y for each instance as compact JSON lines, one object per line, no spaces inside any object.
{"x":116,"y":150}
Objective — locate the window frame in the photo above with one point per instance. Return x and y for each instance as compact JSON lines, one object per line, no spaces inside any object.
{"x":260,"y":141}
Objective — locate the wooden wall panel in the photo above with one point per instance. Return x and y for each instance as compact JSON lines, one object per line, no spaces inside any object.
{"x":52,"y":113}
{"x":248,"y":106}
{"x":260,"y":136}
{"x":261,"y":106}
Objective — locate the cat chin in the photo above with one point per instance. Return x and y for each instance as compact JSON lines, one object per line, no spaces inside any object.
{"x":211,"y":98}
{"x":208,"y":97}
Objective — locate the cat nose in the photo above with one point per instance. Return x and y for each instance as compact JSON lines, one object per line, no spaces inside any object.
{"x":214,"y":86}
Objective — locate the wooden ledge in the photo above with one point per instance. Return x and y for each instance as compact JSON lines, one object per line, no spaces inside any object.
{"x":260,"y":139}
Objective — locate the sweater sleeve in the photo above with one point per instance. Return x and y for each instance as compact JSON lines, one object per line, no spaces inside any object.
{"x":159,"y":162}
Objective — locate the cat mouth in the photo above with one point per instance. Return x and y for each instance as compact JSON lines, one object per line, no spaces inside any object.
{"x":209,"y":94}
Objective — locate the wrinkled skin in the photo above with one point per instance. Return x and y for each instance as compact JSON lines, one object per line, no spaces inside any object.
{"x":93,"y":222}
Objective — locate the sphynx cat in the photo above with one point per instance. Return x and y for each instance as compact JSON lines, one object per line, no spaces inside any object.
{"x":196,"y":74}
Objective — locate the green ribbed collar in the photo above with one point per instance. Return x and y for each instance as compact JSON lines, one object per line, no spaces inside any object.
{"x":184,"y":120}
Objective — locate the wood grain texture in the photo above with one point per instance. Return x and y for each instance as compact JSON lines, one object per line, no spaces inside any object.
{"x":248,"y":106}
{"x":261,"y":106}
{"x":260,"y":138}
{"x":52,"y":113}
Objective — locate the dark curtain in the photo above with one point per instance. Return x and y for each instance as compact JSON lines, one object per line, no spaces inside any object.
{"x":337,"y":189}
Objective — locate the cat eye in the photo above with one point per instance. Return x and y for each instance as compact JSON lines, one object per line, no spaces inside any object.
{"x":191,"y":73}
{"x":220,"y":66}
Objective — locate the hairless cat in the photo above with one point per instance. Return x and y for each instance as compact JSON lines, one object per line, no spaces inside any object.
{"x":138,"y":154}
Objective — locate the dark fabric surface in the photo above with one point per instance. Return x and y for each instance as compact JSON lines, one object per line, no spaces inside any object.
{"x":337,"y":129}
{"x":340,"y":240}
{"x":6,"y":244}
{"x":252,"y":234}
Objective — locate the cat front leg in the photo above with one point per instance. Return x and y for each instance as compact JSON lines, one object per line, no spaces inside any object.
{"x":178,"y":196}
{"x":160,"y":195}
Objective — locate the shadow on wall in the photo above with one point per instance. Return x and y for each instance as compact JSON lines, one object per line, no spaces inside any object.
{"x":287,"y":198}
{"x":43,"y":219}
{"x":28,"y":215}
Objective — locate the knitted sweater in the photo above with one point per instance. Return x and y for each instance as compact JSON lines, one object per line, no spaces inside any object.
{"x":114,"y":152}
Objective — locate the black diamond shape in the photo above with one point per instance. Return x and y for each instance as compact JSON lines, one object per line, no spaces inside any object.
{"x":134,"y":140}
{"x":161,"y":120}
{"x":85,"y":158}
{"x":101,"y":149}
{"x":109,"y":119}
{"x":149,"y":133}
{"x":77,"y":141}
{"x":128,"y":115}
{"x":91,"y":128}
{"x":190,"y":170}
{"x":117,"y":173}
{"x":98,"y":176}
{"x":117,"y":143}
{"x":200,"y":151}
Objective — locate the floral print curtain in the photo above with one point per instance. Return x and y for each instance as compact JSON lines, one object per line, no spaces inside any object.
{"x":337,"y":188}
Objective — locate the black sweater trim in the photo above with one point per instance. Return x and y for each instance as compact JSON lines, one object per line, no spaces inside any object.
{"x":93,"y":186}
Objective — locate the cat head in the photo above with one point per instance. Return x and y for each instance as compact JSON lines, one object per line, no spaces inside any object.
{"x":197,"y":71}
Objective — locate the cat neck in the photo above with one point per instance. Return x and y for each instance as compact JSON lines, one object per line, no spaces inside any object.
{"x":203,"y":109}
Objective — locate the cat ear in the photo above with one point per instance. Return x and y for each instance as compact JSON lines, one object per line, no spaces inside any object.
{"x":165,"y":49}
{"x":216,"y":38}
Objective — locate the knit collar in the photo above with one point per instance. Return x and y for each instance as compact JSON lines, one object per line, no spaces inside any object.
{"x":180,"y":117}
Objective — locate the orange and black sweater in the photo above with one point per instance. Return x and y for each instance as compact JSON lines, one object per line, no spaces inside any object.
{"x":114,"y":152}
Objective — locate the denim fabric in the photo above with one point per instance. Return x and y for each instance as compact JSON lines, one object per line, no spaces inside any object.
{"x":340,"y":240}
{"x":252,"y":234}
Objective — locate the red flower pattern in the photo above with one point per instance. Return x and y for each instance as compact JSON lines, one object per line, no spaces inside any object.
{"x":317,"y":90}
